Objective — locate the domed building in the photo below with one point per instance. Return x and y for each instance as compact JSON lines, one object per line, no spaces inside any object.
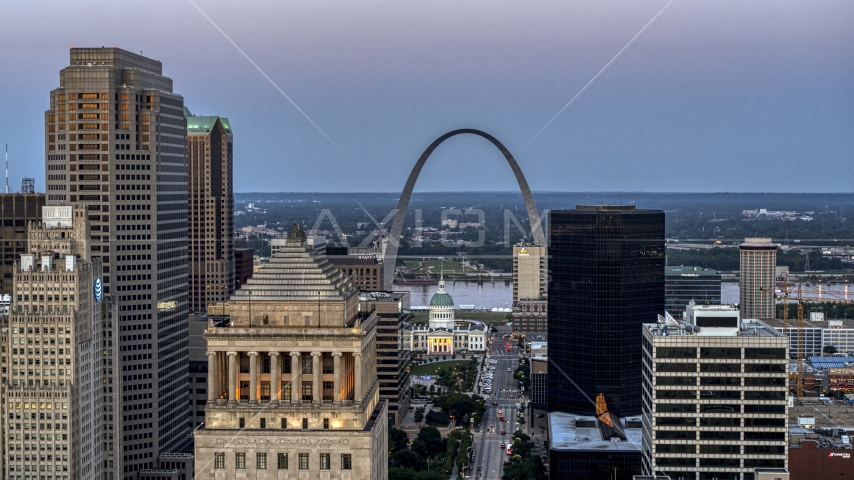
{"x":444,"y":334}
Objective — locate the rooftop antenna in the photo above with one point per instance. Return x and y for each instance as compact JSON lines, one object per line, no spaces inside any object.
{"x":7,"y":168}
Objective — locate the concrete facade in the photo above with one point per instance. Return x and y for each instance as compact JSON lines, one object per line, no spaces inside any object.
{"x":292,"y":382}
{"x":69,"y":403}
{"x":529,"y":272}
{"x":715,"y":399}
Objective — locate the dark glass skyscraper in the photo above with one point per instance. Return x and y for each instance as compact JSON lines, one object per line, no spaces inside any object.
{"x":606,"y":279}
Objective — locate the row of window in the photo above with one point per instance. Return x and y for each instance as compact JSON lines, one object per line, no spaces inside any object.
{"x":720,"y":352}
{"x":324,"y":459}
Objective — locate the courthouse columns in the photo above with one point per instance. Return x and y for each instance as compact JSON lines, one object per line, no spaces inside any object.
{"x":232,"y":378}
{"x":317,"y":385}
{"x":357,"y":378}
{"x":275,"y":383}
{"x":213,"y":380}
{"x":336,"y":384}
{"x":296,"y":380}
{"x":253,"y":378}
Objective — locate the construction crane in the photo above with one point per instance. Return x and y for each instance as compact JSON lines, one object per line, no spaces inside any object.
{"x":800,"y":299}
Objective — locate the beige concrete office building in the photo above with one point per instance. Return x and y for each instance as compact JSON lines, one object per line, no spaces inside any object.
{"x":529,"y":272}
{"x":292,"y":383}
{"x":715,"y":395}
{"x":61,"y":389}
{"x":115,"y":137}
{"x":210,"y":210}
{"x":758,"y":259}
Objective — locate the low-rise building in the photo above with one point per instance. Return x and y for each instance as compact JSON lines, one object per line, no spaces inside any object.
{"x":602,"y":447}
{"x":684,"y":284}
{"x":819,"y":453}
{"x":444,"y":334}
{"x":531,"y":316}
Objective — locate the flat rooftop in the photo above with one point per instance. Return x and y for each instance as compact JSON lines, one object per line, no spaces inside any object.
{"x":565,"y":435}
{"x":749,"y":328}
{"x":793,"y":322}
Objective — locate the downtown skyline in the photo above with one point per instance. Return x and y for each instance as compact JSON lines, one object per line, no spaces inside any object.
{"x":743,"y":97}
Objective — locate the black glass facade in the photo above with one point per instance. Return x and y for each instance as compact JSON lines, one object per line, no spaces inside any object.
{"x":606,"y":266}
{"x":593,"y":465}
{"x":683,"y":284}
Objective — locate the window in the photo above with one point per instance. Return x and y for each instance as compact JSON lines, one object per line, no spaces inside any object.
{"x":261,"y":461}
{"x":326,"y":424}
{"x":305,"y":424}
{"x":265,"y":320}
{"x":765,"y":367}
{"x":720,"y":380}
{"x":346,"y":461}
{"x":720,"y":367}
{"x":283,"y":461}
{"x":286,"y":320}
{"x":240,"y":461}
{"x":764,"y":435}
{"x":308,"y":320}
{"x":219,"y":460}
{"x":765,"y":353}
{"x":303,"y":460}
{"x":676,"y":408}
{"x":263,"y":423}
{"x":733,"y":449}
{"x":306,"y":391}
{"x":675,"y":367}
{"x":675,"y":448}
{"x":676,"y":380}
{"x":765,"y":381}
{"x":675,"y":352}
{"x":685,"y":394}
{"x":676,"y":435}
{"x":720,"y":422}
{"x":720,"y":436}
{"x":765,"y":408}
{"x":284,"y":423}
{"x":716,"y":352}
{"x":241,"y":422}
{"x":324,"y":461}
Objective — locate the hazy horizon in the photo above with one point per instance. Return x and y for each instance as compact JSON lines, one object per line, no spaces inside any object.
{"x":716,"y":96}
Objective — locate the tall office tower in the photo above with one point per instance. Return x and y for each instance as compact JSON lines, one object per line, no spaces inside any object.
{"x":60,"y":396}
{"x":118,"y":132}
{"x":393,"y":356}
{"x":292,"y":382}
{"x":16,"y":210}
{"x":529,"y":272}
{"x":683,"y":284}
{"x":607,"y":279}
{"x":714,"y":396}
{"x":210,"y":209}
{"x":758,"y":259}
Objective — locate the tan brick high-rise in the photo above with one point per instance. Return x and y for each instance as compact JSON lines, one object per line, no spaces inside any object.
{"x":210,"y":210}
{"x":758,"y":259}
{"x":115,"y":139}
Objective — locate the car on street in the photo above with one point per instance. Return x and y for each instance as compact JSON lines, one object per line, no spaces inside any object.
{"x":511,"y":396}
{"x":503,"y":445}
{"x":504,"y":432}
{"x":495,"y":403}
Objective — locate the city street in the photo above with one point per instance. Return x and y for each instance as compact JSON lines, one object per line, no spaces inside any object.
{"x":489,"y":455}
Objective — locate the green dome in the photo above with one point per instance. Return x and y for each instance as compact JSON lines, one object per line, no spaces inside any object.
{"x":441,"y":299}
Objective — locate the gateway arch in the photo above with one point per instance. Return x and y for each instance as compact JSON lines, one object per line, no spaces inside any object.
{"x":390,"y":259}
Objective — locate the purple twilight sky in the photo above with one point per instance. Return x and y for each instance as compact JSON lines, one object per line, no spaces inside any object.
{"x":713,"y":96}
